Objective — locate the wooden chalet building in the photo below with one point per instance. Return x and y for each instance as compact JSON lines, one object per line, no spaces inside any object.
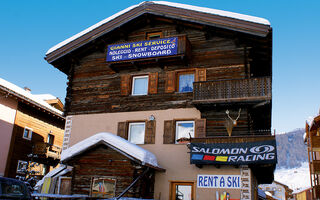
{"x":312,"y":140}
{"x":31,"y":129}
{"x":192,"y":85}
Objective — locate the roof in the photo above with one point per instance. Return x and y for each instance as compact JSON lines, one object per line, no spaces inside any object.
{"x":202,"y":15}
{"x":119,"y":144}
{"x":36,"y":100}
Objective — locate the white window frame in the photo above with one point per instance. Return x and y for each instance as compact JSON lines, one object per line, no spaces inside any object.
{"x":30,"y":131}
{"x":181,"y":122}
{"x":133,"y":84}
{"x":23,"y":163}
{"x":129,"y":130}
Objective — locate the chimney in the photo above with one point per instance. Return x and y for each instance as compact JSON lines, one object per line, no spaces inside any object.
{"x":27,"y":89}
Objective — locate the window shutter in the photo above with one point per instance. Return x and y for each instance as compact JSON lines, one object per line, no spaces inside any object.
{"x":200,"y":128}
{"x":150,"y":133}
{"x":123,"y":130}
{"x":153,"y":83}
{"x":168,"y":134}
{"x":170,"y":82}
{"x":200,"y":75}
{"x":125,"y":84}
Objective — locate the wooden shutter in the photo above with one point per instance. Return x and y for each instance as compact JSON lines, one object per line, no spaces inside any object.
{"x":168,"y":132}
{"x":125,"y":84}
{"x":123,"y":130}
{"x":153,"y":83}
{"x":200,"y":74}
{"x":170,"y":85}
{"x":200,"y":128}
{"x":150,"y":133}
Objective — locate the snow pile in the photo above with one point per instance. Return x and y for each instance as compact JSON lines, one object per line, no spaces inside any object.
{"x":16,"y":90}
{"x":177,"y":5}
{"x":117,"y":142}
{"x":295,"y":178}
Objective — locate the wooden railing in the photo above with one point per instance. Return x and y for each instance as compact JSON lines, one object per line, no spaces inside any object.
{"x":232,"y":90}
{"x":47,"y":150}
{"x":232,"y":139}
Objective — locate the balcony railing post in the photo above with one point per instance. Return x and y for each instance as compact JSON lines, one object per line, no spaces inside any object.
{"x":253,"y":88}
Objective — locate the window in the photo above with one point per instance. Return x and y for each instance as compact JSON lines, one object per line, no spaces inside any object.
{"x":50,"y":139}
{"x":104,"y":187}
{"x":184,"y":129}
{"x":182,"y":191}
{"x":27,"y":133}
{"x":136,"y":132}
{"x":154,"y":35}
{"x":140,"y":85}
{"x":22,"y":167}
{"x":185,"y":82}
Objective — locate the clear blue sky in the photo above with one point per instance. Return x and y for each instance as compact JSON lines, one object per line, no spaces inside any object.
{"x":30,"y":28}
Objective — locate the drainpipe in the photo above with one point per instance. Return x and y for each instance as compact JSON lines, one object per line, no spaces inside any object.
{"x":132,"y":184}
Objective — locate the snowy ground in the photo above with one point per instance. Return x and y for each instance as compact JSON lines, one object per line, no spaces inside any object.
{"x":295,"y":178}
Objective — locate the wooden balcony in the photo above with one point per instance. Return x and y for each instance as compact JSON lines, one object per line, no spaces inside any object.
{"x":315,"y":143}
{"x":232,"y":139}
{"x":45,"y":150}
{"x":239,"y":90}
{"x":315,"y":167}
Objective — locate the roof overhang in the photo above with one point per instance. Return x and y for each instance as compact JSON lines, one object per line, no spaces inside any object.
{"x":124,"y":147}
{"x":205,"y":16}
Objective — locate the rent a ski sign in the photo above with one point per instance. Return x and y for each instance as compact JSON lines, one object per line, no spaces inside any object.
{"x":263,"y":152}
{"x":142,"y":49}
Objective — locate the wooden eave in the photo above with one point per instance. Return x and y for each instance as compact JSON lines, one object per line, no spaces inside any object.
{"x":71,"y":159}
{"x":165,"y":11}
{"x":23,"y":99}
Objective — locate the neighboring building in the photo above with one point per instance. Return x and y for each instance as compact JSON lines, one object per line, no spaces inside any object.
{"x":191,"y":85}
{"x":31,"y":130}
{"x":305,"y":194}
{"x":312,"y":139}
{"x":277,"y":190}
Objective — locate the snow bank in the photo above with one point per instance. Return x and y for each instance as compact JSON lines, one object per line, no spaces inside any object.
{"x":117,"y":142}
{"x":295,"y":178}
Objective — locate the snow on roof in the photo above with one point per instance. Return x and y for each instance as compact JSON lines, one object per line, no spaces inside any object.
{"x":45,"y":97}
{"x":146,"y":157}
{"x":166,"y":3}
{"x":35,"y":99}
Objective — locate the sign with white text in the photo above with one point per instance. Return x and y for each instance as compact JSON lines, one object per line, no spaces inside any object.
{"x":262,"y":152}
{"x":219,"y":181}
{"x":142,"y":49}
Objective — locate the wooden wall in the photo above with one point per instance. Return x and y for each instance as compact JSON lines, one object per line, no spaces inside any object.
{"x":41,"y":124}
{"x":94,"y":87}
{"x":102,"y":161}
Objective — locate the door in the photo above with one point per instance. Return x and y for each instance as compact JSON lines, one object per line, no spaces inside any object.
{"x":182,"y":191}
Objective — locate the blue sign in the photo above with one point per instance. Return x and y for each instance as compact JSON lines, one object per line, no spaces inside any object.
{"x":263,"y":152}
{"x":142,"y":49}
{"x":219,"y":181}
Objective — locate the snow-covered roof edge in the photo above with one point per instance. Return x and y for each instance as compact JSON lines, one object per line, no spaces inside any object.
{"x":177,"y":5}
{"x":16,"y":90}
{"x":133,"y":150}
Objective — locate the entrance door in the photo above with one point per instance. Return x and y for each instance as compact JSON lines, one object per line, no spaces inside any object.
{"x":182,"y":191}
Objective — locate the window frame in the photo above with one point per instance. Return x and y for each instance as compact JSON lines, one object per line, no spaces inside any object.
{"x":48,"y":138}
{"x":133,"y":84}
{"x":129,"y":130}
{"x":176,"y":128}
{"x":173,"y":185}
{"x":29,"y":136}
{"x":153,"y":35}
{"x":19,"y":171}
{"x":185,"y":73}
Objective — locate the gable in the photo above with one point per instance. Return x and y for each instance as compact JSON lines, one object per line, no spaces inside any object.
{"x":197,"y":15}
